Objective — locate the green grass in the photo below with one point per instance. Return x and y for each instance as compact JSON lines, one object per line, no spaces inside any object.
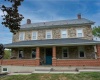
{"x":81,"y":76}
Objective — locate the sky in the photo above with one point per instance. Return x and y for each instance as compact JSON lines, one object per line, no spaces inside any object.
{"x":52,"y":10}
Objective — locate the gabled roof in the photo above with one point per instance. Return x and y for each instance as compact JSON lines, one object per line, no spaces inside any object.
{"x":52,"y":42}
{"x":56,"y":23}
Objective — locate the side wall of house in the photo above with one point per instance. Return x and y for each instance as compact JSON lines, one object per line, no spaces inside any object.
{"x":56,"y":33}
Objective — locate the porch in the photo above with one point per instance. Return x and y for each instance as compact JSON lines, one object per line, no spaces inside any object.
{"x":54,"y":55}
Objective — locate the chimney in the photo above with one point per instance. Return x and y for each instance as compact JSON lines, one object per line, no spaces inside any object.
{"x":28,"y":21}
{"x":79,"y":16}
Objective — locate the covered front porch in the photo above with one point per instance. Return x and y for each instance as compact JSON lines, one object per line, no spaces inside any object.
{"x":55,"y":52}
{"x":83,"y":55}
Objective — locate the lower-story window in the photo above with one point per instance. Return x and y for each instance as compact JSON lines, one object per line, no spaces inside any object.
{"x":21,"y":54}
{"x":33,"y":53}
{"x":81,"y":52}
{"x":64,"y":52}
{"x":4,"y":70}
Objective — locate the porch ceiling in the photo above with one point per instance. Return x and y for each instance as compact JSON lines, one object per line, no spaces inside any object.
{"x":52,"y":42}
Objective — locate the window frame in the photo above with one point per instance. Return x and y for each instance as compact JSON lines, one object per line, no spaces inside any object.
{"x":66,"y":33}
{"x":22,"y":54}
{"x":36,"y":35}
{"x":50,"y":33}
{"x":81,"y":48}
{"x":67,"y":52}
{"x":78,"y":32}
{"x":23,"y":36}
{"x":3,"y":70}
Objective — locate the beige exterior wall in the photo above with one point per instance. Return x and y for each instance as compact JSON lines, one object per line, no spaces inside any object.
{"x":56,"y":33}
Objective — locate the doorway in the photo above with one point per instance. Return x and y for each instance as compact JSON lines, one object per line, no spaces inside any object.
{"x":49,"y":56}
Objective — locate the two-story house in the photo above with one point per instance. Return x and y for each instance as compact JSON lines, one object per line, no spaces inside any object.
{"x":56,"y":43}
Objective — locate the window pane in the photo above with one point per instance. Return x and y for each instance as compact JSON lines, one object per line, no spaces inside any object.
{"x":33,"y":53}
{"x":65,"y":55}
{"x":79,"y":34}
{"x":65,"y":52}
{"x":49,"y":35}
{"x":81,"y":53}
{"x":63,"y":34}
{"x":4,"y":69}
{"x":34,"y":35}
{"x":21,"y":36}
{"x":20,"y":54}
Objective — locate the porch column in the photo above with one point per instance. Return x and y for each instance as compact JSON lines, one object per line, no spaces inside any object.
{"x":37,"y":56}
{"x":98,"y":51}
{"x":54,"y":56}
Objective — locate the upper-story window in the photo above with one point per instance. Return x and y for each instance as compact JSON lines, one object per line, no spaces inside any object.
{"x":34,"y":35}
{"x":63,"y":33}
{"x":79,"y":32}
{"x":49,"y":34}
{"x":21,"y":36}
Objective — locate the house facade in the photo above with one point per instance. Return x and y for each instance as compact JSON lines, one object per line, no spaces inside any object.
{"x":56,"y":43}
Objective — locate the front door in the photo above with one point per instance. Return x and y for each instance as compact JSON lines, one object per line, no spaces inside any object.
{"x":48,"y":56}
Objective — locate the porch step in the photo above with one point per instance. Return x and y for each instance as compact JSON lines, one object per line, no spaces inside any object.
{"x":55,"y":70}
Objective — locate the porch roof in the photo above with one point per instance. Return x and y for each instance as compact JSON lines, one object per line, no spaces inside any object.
{"x":52,"y":42}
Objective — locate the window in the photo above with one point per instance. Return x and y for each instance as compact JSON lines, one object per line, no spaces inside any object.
{"x":64,"y":52}
{"x":63,"y":34}
{"x":33,"y":53}
{"x":79,"y":33}
{"x":21,"y":36}
{"x":34,"y":35}
{"x":81,"y":52}
{"x":20,"y":53}
{"x":4,"y":70}
{"x":48,"y":34}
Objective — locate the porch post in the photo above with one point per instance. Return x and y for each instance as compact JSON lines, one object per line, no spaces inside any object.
{"x":54,"y":56}
{"x":37,"y":56}
{"x":98,"y":51}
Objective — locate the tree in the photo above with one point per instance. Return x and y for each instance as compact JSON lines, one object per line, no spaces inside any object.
{"x":96,"y":31}
{"x":1,"y":51}
{"x":11,"y":17}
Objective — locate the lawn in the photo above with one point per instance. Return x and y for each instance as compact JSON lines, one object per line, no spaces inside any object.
{"x":81,"y":76}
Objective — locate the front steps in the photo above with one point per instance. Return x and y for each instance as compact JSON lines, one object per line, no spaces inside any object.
{"x":56,"y":70}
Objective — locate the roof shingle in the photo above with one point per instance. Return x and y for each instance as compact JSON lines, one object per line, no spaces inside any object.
{"x":51,"y":42}
{"x":54,"y":23}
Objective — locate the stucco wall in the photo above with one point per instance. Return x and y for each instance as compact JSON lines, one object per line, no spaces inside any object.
{"x":56,"y":33}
